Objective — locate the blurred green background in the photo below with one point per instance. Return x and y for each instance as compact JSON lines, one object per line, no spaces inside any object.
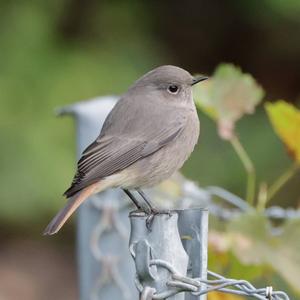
{"x":54,"y":53}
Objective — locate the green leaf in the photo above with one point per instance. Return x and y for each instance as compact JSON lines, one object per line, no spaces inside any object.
{"x":254,"y":242}
{"x":223,"y":296}
{"x":227,"y":96}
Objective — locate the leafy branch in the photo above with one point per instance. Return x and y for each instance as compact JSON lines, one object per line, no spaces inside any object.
{"x":227,"y":97}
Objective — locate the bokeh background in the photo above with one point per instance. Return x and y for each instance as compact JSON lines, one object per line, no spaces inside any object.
{"x":54,"y":53}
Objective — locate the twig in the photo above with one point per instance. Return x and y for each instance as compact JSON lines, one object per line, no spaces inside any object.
{"x":249,"y":167}
{"x":283,"y":179}
{"x":262,"y":197}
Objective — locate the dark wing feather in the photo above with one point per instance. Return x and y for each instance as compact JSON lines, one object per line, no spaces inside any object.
{"x":111,"y":154}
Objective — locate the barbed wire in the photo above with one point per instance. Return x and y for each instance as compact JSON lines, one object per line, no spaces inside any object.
{"x":199,"y":286}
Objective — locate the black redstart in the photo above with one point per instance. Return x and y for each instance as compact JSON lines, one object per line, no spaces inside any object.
{"x":146,"y":137}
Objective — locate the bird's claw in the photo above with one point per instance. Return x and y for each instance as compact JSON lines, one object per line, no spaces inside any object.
{"x":151,"y":215}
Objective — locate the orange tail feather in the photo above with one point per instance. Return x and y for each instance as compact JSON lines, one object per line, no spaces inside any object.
{"x":73,"y":203}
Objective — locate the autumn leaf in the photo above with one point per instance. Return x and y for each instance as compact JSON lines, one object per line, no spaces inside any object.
{"x":223,"y":296}
{"x":285,"y":119}
{"x":227,"y":96}
{"x":255,"y":242}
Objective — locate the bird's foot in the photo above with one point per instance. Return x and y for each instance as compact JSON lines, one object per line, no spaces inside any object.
{"x":151,"y":215}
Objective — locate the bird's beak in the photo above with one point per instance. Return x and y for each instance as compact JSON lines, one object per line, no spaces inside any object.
{"x":198,"y":79}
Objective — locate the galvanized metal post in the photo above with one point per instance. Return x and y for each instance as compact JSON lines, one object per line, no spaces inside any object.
{"x":105,"y":268}
{"x":193,"y":230}
{"x":180,"y":240}
{"x":162,"y":242}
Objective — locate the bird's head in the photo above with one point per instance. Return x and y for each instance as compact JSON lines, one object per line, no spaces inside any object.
{"x":170,"y":82}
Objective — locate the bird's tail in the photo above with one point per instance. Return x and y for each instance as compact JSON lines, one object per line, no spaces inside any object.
{"x":63,"y":215}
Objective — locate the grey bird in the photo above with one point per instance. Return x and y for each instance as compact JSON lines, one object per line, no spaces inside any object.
{"x":147,"y":136}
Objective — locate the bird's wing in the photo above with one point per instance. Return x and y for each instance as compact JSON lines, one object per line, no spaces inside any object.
{"x":115,"y":151}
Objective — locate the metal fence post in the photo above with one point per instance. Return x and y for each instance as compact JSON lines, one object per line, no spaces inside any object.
{"x":176,"y":244}
{"x":102,"y":224}
{"x":193,"y":230}
{"x":163,"y":243}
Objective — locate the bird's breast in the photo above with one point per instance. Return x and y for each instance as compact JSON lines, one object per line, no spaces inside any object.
{"x":162,"y":164}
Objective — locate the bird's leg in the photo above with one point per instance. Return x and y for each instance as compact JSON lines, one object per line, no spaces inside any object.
{"x":153,"y":211}
{"x":131,"y":196}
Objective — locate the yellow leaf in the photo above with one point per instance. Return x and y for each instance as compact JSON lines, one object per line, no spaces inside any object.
{"x":285,"y":119}
{"x":223,"y":296}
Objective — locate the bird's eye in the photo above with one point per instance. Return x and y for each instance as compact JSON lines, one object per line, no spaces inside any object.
{"x":173,"y":89}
